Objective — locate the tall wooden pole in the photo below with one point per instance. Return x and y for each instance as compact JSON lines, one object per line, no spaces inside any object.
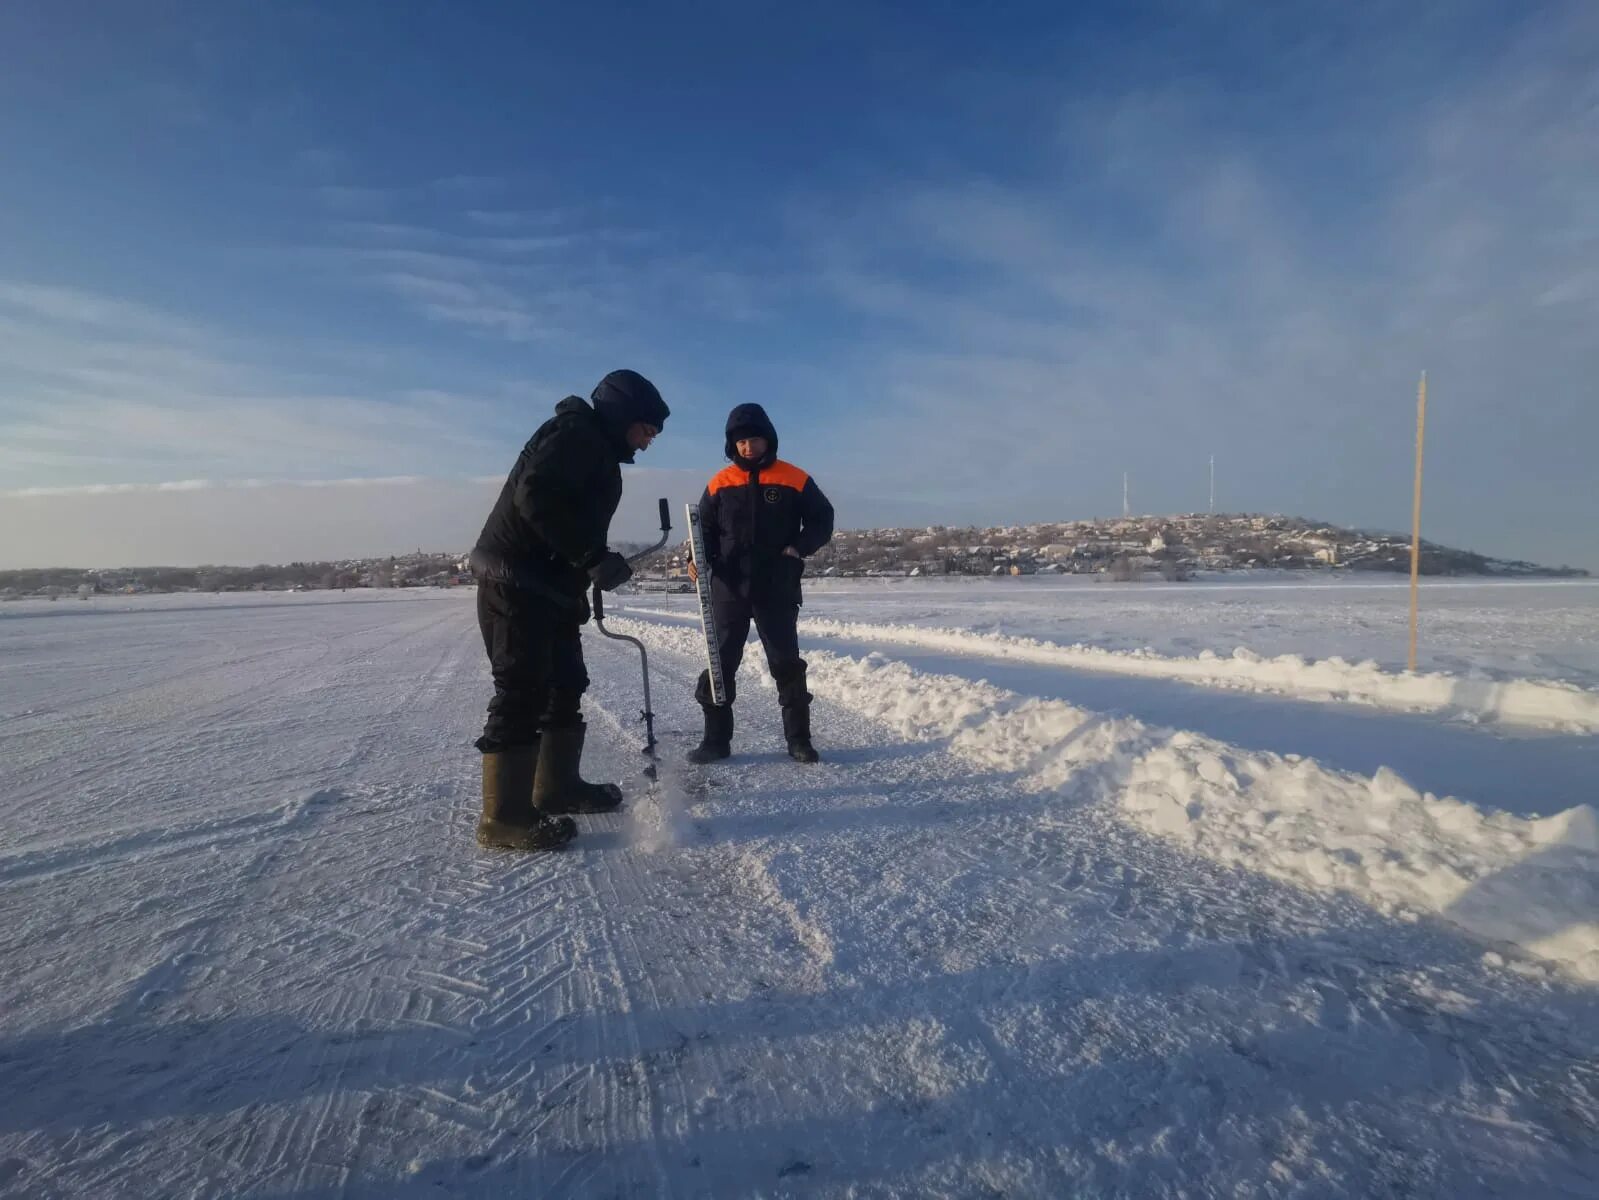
{"x":1415,"y":517}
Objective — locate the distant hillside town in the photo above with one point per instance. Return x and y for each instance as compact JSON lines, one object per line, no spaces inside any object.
{"x":1127,"y":548}
{"x":1122,"y":548}
{"x":419,"y":569}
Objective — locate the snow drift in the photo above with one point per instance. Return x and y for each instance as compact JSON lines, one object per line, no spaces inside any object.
{"x":1526,"y":883}
{"x":1538,"y":704}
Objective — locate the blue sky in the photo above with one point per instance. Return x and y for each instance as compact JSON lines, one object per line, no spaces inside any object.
{"x":976,"y":263}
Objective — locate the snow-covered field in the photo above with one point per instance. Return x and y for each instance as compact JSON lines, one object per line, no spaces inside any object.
{"x":1542,"y":630}
{"x":1045,"y":922}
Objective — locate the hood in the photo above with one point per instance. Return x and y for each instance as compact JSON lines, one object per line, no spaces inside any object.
{"x":749,"y":419}
{"x":624,"y":397}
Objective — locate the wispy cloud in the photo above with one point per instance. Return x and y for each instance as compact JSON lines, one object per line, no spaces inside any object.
{"x":578,"y":281}
{"x":92,"y":385}
{"x":208,"y":485}
{"x":379,"y":198}
{"x":130,"y":435}
{"x":247,"y":521}
{"x":476,"y":303}
{"x":516,"y":289}
{"x":75,"y":307}
{"x":420,"y":235}
{"x":518,"y":218}
{"x":1236,"y":300}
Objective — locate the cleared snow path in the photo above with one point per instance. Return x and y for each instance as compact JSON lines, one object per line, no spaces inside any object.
{"x":250,"y":947}
{"x":1531,"y":774}
{"x":1532,"y":703}
{"x":1522,"y":771}
{"x":1526,"y":703}
{"x":1531,"y":883}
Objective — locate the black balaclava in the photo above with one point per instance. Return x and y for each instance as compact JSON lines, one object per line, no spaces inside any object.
{"x":622,"y":398}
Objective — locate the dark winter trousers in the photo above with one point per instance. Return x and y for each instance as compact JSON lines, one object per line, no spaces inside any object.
{"x":775,"y":621}
{"x":536,"y":653}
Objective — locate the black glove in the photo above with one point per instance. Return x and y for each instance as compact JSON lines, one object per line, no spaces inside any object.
{"x":610,"y":571}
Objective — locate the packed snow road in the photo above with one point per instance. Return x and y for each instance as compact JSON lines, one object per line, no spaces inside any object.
{"x":250,"y":947}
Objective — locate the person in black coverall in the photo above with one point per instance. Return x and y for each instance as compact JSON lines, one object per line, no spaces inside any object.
{"x":761,"y":518}
{"x":542,"y":546}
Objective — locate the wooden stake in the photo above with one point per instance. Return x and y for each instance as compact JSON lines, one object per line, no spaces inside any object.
{"x":1415,"y":517}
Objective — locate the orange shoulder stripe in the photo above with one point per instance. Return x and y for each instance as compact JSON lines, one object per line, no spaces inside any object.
{"x":785,"y":475}
{"x":728,"y":476}
{"x":779,"y":474}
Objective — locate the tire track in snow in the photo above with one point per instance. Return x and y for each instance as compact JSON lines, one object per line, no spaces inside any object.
{"x":201,"y":724}
{"x":537,"y":942}
{"x":217,"y":952}
{"x":147,"y":845}
{"x":456,"y":982}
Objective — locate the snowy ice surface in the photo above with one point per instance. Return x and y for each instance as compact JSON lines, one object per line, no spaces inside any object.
{"x":1536,"y":704}
{"x":1531,"y":882}
{"x":1000,"y":942}
{"x":1493,"y":629}
{"x":1068,"y":640}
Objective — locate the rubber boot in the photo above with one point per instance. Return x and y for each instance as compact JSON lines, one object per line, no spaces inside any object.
{"x":797,"y":729}
{"x":509,"y":821}
{"x":557,"y":786}
{"x":718,"y":741}
{"x":796,"y":702}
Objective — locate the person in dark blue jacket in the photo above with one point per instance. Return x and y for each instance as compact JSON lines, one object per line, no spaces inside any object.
{"x":762,"y":518}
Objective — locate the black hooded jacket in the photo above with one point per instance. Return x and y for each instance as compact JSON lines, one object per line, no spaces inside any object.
{"x":751,"y":511}
{"x":553,"y":516}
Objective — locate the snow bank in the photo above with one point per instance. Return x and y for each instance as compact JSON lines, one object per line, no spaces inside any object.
{"x":1539,"y":704}
{"x":1531,"y":883}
